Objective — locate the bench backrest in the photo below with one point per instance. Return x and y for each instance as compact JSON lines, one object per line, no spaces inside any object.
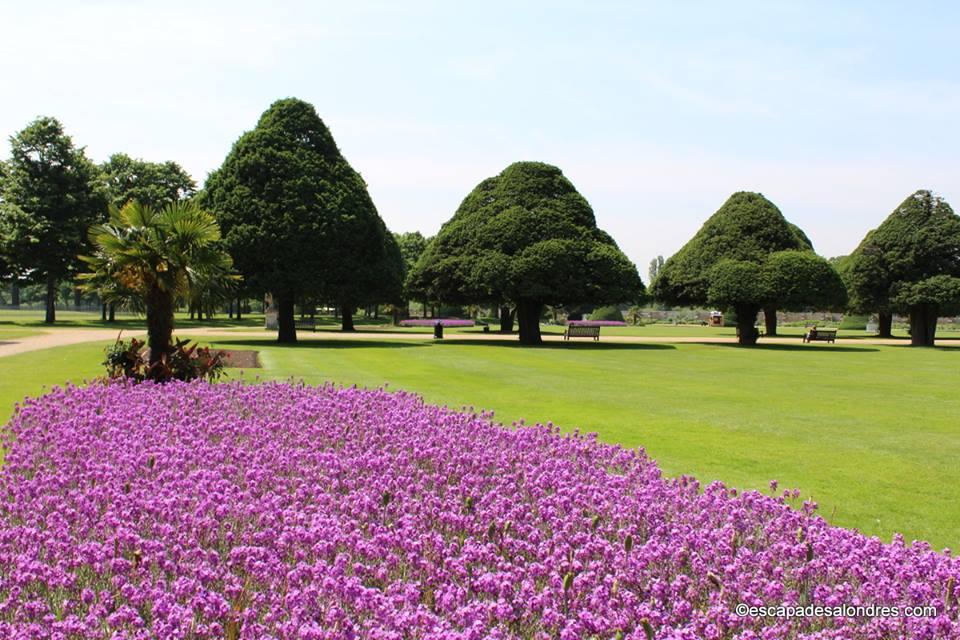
{"x":579,"y":330}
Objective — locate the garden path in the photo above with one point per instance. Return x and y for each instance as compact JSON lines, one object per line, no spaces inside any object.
{"x":50,"y":338}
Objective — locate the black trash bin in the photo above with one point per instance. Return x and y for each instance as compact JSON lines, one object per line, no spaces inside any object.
{"x":438,"y":331}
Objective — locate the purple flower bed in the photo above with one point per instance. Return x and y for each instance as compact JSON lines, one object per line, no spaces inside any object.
{"x":284,"y":511}
{"x":597,"y":323}
{"x":429,"y":322}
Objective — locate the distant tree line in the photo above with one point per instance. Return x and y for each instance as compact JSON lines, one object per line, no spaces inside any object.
{"x":297,"y":222}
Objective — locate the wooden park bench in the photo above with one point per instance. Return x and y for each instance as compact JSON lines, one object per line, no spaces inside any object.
{"x":580,"y":331}
{"x":820,"y":335}
{"x":305,"y":323}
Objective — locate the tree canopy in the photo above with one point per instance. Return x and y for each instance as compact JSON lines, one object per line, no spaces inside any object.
{"x":155,"y":258}
{"x":296,"y":217}
{"x":527,"y":236}
{"x":748,"y":257}
{"x":909,"y":264}
{"x":154,"y":184}
{"x":50,"y":197}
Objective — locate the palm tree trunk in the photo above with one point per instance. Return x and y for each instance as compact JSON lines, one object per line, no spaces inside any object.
{"x":159,"y":323}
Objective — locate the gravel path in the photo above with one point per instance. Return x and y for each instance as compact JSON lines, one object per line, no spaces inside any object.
{"x":58,"y":338}
{"x":62,"y":337}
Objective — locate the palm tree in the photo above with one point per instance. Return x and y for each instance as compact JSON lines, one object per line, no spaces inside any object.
{"x":151,"y":259}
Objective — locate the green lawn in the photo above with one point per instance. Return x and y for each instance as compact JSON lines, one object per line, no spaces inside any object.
{"x":12,"y":332}
{"x":124,"y":320}
{"x":869,"y":432}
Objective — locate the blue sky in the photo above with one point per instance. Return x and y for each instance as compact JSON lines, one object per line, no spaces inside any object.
{"x":656,"y":111}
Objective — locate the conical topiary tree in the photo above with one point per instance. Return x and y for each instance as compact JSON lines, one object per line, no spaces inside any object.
{"x":525,"y":236}
{"x":296,"y":217}
{"x":748,"y":257}
{"x":909,"y":264}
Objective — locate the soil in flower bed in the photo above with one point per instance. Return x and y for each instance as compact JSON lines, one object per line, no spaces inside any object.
{"x":282,"y":511}
{"x":241,"y":359}
{"x":235,"y":358}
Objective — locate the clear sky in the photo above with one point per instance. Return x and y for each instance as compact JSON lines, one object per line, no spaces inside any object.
{"x":657,"y":111}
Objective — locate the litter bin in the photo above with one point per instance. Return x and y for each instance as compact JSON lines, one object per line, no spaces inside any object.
{"x":438,"y":331}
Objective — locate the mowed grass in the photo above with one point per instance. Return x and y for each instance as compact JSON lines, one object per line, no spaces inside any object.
{"x":869,"y":432}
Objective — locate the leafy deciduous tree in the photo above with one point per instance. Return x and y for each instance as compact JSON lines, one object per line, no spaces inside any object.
{"x":155,"y":184}
{"x":51,"y":197}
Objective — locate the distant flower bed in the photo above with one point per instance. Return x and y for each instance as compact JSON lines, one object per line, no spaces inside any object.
{"x":283,"y":511}
{"x":597,"y":323}
{"x":429,"y":322}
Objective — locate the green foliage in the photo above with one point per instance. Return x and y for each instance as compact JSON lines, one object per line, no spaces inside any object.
{"x":412,"y":245}
{"x":152,"y":259}
{"x":854,"y":322}
{"x":525,"y":236}
{"x":941,"y":292}
{"x":918,"y":241}
{"x":799,"y":280}
{"x":50,"y":196}
{"x":182,"y":362}
{"x":296,"y":218}
{"x":747,"y":228}
{"x":155,"y":184}
{"x":610,"y":312}
{"x":736,"y":282}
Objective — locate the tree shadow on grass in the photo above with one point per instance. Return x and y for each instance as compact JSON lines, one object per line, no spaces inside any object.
{"x":360,"y":343}
{"x":561,"y":346}
{"x":808,"y":348}
{"x":364,"y":343}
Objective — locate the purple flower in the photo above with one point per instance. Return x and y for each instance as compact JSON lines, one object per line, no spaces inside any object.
{"x":284,"y":511}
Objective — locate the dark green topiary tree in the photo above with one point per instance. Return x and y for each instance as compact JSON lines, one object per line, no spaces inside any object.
{"x":525,"y":236}
{"x":609,"y":312}
{"x":909,"y":264}
{"x":296,"y":218}
{"x":732,"y":262}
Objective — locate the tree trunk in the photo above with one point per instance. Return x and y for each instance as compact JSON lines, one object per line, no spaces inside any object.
{"x":159,"y":323}
{"x":528,"y":317}
{"x":286,"y":327}
{"x":230,"y":310}
{"x":506,"y":318}
{"x":239,"y":308}
{"x":77,"y":299}
{"x":103,"y":311}
{"x":15,"y":295}
{"x":51,"y":316}
{"x":770,"y":320}
{"x":112,"y":313}
{"x":885,"y":325}
{"x":346,"y":312}
{"x":923,"y":325}
{"x":747,"y":334}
